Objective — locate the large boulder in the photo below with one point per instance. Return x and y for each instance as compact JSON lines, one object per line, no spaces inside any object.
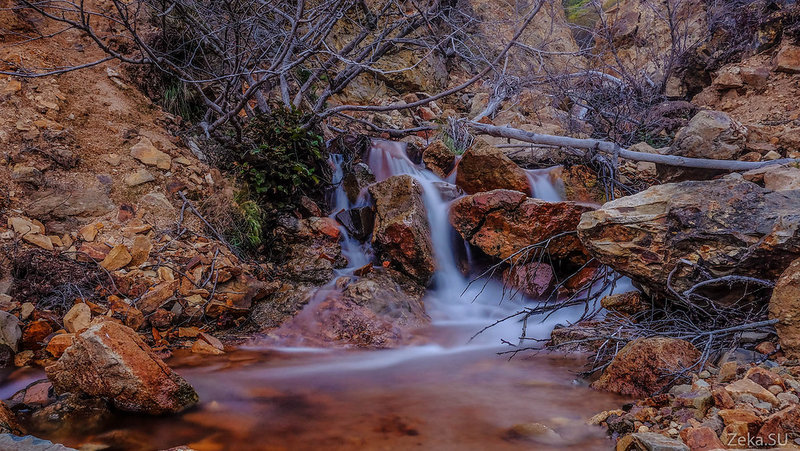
{"x":785,"y":307}
{"x":484,"y":168}
{"x":696,"y":231}
{"x":109,"y":360}
{"x":646,"y":365}
{"x":501,"y":222}
{"x":438,"y":158}
{"x":401,"y":233}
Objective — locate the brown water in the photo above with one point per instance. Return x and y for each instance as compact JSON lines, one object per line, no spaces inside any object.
{"x":425,"y":398}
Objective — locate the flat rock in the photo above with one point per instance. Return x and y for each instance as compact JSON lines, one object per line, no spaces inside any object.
{"x":147,"y":153}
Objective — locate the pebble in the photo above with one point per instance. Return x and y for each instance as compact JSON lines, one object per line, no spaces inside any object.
{"x":705,"y":374}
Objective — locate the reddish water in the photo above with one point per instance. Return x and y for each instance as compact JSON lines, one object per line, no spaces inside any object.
{"x":423,"y":398}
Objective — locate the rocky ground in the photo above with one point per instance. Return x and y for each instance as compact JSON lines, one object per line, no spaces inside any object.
{"x":107,"y":265}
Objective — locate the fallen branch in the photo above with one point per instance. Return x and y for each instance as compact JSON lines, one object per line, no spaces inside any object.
{"x":615,"y":150}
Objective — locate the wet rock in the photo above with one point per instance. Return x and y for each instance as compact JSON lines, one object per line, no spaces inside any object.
{"x":378,"y":310}
{"x":109,"y":360}
{"x":629,"y":303}
{"x":644,"y":365}
{"x":784,"y":305}
{"x":439,"y":159}
{"x":402,"y":234}
{"x":580,"y":184}
{"x":78,"y":318}
{"x":743,"y":229}
{"x":448,"y":191}
{"x":29,"y":443}
{"x":485,"y":168}
{"x":501,"y":222}
{"x":358,"y":178}
{"x":533,"y":279}
{"x":536,"y":432}
{"x":358,"y":222}
{"x":285,"y":302}
{"x":71,"y":414}
{"x":147,"y":153}
{"x":10,"y":331}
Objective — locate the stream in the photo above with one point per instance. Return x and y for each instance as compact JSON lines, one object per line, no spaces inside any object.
{"x":449,"y":393}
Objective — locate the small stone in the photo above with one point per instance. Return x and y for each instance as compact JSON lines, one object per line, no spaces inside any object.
{"x":701,"y":439}
{"x":35,"y":334}
{"x":89,"y":232}
{"x":147,"y":153}
{"x":118,"y":258}
{"x":533,"y":431}
{"x":140,"y":250}
{"x":202,"y":347}
{"x":139,"y":177}
{"x":787,"y":398}
{"x":26,"y":310}
{"x":748,"y":387}
{"x":23,"y":358}
{"x":58,"y":344}
{"x":10,"y":331}
{"x":771,"y":155}
{"x":705,"y":374}
{"x":78,"y":318}
{"x":727,"y":372}
{"x":112,"y":159}
{"x":775,"y":389}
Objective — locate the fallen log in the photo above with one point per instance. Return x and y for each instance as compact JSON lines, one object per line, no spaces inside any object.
{"x":615,"y":150}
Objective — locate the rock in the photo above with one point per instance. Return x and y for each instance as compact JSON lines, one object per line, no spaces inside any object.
{"x":402,"y":233}
{"x":784,"y":305}
{"x":117,"y":258}
{"x":8,"y":422}
{"x":728,"y":78}
{"x":782,"y":178}
{"x":727,"y":371}
{"x":755,"y":76}
{"x":29,"y":443}
{"x":87,"y":203}
{"x":147,"y":153}
{"x":203,"y":347}
{"x":710,"y":134}
{"x":742,"y":228}
{"x":35,"y":334}
{"x":701,"y":439}
{"x":650,"y":441}
{"x":735,"y":417}
{"x":157,"y":296}
{"x":485,"y":168}
{"x":788,"y":59}
{"x":161,"y":319}
{"x":643,"y":366}
{"x":27,"y":174}
{"x":378,"y":310}
{"x":10,"y":331}
{"x":30,"y":232}
{"x":764,"y":377}
{"x":748,"y":387}
{"x":358,"y":222}
{"x":536,"y":432}
{"x":533,"y":279}
{"x":501,"y":222}
{"x":781,"y":424}
{"x":439,"y":159}
{"x":58,"y":344}
{"x":629,"y":303}
{"x":156,"y":209}
{"x":109,"y":360}
{"x":139,"y":177}
{"x":356,"y":180}
{"x":140,"y":250}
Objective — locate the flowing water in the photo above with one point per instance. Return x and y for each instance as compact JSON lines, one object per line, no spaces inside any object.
{"x":451,"y":393}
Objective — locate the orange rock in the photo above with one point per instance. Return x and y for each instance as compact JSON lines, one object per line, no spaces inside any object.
{"x":35,"y":334}
{"x":203,"y":347}
{"x":59,"y":343}
{"x":117,"y":258}
{"x":156,"y":297}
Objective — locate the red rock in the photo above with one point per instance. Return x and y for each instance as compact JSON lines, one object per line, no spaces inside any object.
{"x":485,"y":168}
{"x":644,"y":365}
{"x":161,"y":319}
{"x":35,"y":334}
{"x":701,"y":439}
{"x":780,"y":424}
{"x":202,"y":347}
{"x":109,"y":360}
{"x":764,"y":377}
{"x":722,"y":399}
{"x":788,"y":59}
{"x":93,"y":252}
{"x":732,"y":416}
{"x":628,"y":303}
{"x":531,"y":279}
{"x":439,"y":159}
{"x":501,"y":222}
{"x":8,"y":421}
